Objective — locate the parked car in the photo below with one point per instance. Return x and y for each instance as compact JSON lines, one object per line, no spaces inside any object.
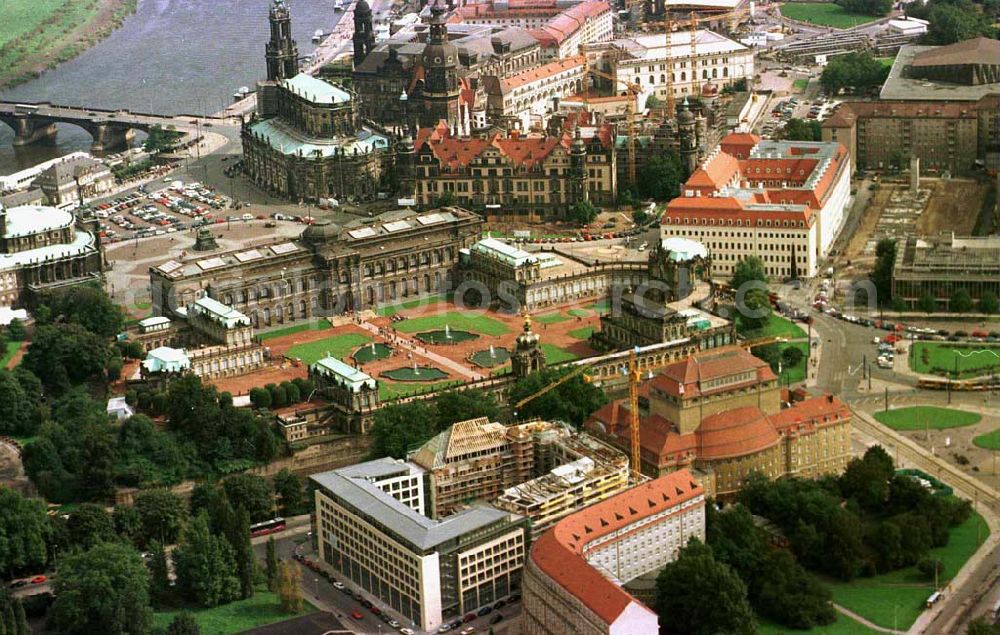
{"x":357,"y":615}
{"x":38,"y":579}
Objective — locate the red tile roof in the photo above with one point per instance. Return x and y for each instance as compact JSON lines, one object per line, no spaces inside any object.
{"x":559,"y":553}
{"x":716,"y":172}
{"x":810,"y":414}
{"x":739,"y":144}
{"x":545,"y":71}
{"x":737,"y":432}
{"x":683,"y":379}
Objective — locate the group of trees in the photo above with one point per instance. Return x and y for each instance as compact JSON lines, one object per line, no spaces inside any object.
{"x":752,"y":304}
{"x":959,"y":302}
{"x":956,"y":20}
{"x":661,"y":178}
{"x":572,"y":401}
{"x":583,"y":213}
{"x":857,"y":73}
{"x":284,"y":394}
{"x":889,"y":520}
{"x":802,"y":130}
{"x":867,"y":7}
{"x":13,"y":620}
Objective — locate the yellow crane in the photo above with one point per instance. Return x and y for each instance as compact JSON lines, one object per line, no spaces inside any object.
{"x":634,"y":379}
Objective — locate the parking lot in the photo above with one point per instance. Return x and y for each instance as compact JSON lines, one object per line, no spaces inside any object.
{"x":795,"y":107}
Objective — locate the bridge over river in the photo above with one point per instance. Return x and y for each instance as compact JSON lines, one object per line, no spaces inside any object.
{"x":111,"y":130}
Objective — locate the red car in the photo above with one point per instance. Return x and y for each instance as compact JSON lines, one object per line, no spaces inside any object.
{"x":38,"y":579}
{"x":357,"y":615}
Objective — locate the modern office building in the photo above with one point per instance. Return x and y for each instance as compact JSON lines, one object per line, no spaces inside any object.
{"x":783,"y":201}
{"x":371,"y":529}
{"x":575,"y":572}
{"x":941,"y":265}
{"x":720,"y":414}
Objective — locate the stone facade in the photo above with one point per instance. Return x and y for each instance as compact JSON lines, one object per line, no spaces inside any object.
{"x":330,"y":270}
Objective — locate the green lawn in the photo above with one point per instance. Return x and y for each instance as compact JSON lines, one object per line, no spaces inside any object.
{"x":8,"y":353}
{"x":875,"y":598}
{"x":388,"y":390}
{"x":579,"y":312}
{"x":799,"y":85}
{"x":582,"y":333}
{"x":551,"y":318}
{"x":921,"y":417}
{"x":989,"y":441}
{"x":602,"y":307}
{"x":235,"y":617}
{"x":796,"y":373}
{"x":339,"y":346}
{"x":476,"y":323}
{"x":298,"y":328}
{"x":939,"y":358}
{"x":556,"y":355}
{"x":778,"y":326}
{"x":824,"y":14}
{"x":843,"y":626}
{"x":389,"y":310}
{"x":887,"y":61}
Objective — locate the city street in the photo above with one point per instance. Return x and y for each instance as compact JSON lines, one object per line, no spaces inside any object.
{"x":325,"y":596}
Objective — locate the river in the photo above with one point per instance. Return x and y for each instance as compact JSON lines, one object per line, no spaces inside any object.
{"x":171,"y":57}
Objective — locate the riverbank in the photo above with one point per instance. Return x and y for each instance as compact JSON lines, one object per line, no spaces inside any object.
{"x":36,"y":35}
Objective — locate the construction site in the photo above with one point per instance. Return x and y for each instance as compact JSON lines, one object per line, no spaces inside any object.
{"x":897,"y":210}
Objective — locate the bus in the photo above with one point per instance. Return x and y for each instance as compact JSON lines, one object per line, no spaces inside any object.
{"x":267,"y":527}
{"x":934,"y":598}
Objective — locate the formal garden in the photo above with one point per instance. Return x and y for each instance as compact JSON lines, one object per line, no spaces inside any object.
{"x":945,"y":358}
{"x":926,"y":417}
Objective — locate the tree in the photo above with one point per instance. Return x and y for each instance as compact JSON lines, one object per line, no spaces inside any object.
{"x":114,"y":368}
{"x":791,"y":356}
{"x":867,"y":7}
{"x":583,"y":212}
{"x":271,"y":564}
{"x":867,"y":479}
{"x":62,"y":354}
{"x":961,"y":301}
{"x":291,"y":392}
{"x":161,"y":515}
{"x":102,"y":590}
{"x":787,"y":594}
{"x":159,"y":139}
{"x":447,"y":199}
{"x":260,"y":398}
{"x":25,"y":530}
{"x":988,"y":302}
{"x":572,"y":401}
{"x":930,"y":568}
{"x":205,"y":566}
{"x":289,"y":590}
{"x":661,"y":178}
{"x":856,"y":72}
{"x":927,"y":302}
{"x":252,"y":493}
{"x":802,"y":130}
{"x":89,"y":525}
{"x":754,"y":310}
{"x":881,"y":276}
{"x":15,"y":331}
{"x":183,"y":624}
{"x":279,"y":398}
{"x":20,"y":619}
{"x":159,"y":575}
{"x":956,"y":21}
{"x":288,"y":487}
{"x":89,"y":306}
{"x":18,"y":416}
{"x":683,"y":585}
{"x":461,"y":405}
{"x":982,"y":626}
{"x":399,"y":427}
{"x":238,"y":536}
{"x":749,"y":271}
{"x":128,"y":522}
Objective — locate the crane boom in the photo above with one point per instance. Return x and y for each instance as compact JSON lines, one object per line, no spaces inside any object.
{"x":633,"y":403}
{"x":570,"y":375}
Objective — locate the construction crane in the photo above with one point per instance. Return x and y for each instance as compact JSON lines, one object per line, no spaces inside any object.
{"x":634,"y":379}
{"x":633,"y":91}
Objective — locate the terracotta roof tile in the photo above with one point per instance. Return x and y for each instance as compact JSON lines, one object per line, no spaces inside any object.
{"x":737,"y":432}
{"x":559,"y":552}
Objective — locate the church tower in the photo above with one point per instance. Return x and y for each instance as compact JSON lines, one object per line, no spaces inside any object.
{"x":440,"y":62}
{"x":281,"y":51}
{"x":364,"y":34}
{"x":577,"y":170}
{"x":528,"y":356}
{"x":688,"y":138}
{"x":405,"y":159}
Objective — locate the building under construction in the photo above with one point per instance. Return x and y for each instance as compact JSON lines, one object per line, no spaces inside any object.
{"x":542,"y":468}
{"x":942,"y":265}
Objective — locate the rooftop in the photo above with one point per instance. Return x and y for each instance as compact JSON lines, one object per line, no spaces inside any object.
{"x":316,"y":90}
{"x":344,"y":373}
{"x":459,"y":441}
{"x":980,"y":50}
{"x":27,"y":220}
{"x":354,"y":486}
{"x":901,"y":86}
{"x":82,"y":243}
{"x":508,"y":254}
{"x":219,"y":312}
{"x":654,"y":47}
{"x":683,"y":249}
{"x":560,"y":552}
{"x":290,"y":141}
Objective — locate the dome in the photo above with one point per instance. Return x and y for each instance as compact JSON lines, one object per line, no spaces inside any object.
{"x":321,"y":231}
{"x":445,"y":54}
{"x":527,"y":340}
{"x":735,"y":433}
{"x":685,"y":115}
{"x":362,"y":8}
{"x":683,"y":249}
{"x":710,"y":89}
